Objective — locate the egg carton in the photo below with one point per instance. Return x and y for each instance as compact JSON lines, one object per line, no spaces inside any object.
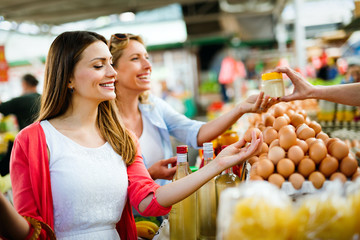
{"x":306,"y":188}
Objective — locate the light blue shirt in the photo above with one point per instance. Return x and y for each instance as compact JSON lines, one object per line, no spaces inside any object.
{"x":170,"y":123}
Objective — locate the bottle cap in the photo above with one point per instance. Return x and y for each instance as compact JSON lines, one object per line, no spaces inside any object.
{"x":182,"y":149}
{"x":208,"y":146}
{"x":271,"y":76}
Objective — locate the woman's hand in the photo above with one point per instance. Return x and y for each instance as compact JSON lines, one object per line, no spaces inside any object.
{"x":160,"y":170}
{"x":302,"y":88}
{"x":257,"y":103}
{"x":236,"y":153}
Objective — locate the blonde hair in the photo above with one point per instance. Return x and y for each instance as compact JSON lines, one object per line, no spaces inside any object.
{"x":65,"y":52}
{"x":117,"y":49}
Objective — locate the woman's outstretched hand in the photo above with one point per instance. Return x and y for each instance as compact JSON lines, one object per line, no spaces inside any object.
{"x":236,"y":153}
{"x":160,"y":170}
{"x":258,"y":103}
{"x":302,"y":88}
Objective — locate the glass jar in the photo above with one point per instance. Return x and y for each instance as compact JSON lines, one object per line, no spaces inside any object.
{"x":273,"y":84}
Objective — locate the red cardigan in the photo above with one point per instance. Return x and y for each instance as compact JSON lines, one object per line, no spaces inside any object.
{"x":30,"y":177}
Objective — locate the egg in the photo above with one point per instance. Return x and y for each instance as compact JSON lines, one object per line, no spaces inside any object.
{"x":279,"y":110}
{"x":302,"y":144}
{"x":248,"y":133}
{"x":269,"y":120}
{"x":253,"y":159}
{"x":317,"y":151}
{"x":297,"y":119}
{"x":287,"y":139}
{"x":306,"y":166}
{"x":285,"y":167}
{"x":296,"y":180}
{"x":356,"y":175}
{"x":323,"y":136}
{"x":309,"y":141}
{"x":269,"y":134}
{"x":264,"y":148}
{"x":303,"y":112}
{"x":279,"y":122}
{"x":256,"y":178}
{"x":348,"y":166}
{"x":338,"y":149}
{"x":295,"y":154}
{"x":304,"y":132}
{"x":287,"y":128}
{"x":317,"y":179}
{"x":328,"y":166}
{"x":276,"y":153}
{"x":274,"y":143}
{"x":276,"y":179}
{"x":338,"y":175}
{"x":316,"y":126}
{"x":331,"y":141}
{"x":265,"y":168}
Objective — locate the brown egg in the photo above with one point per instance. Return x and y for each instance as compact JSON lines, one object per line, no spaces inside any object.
{"x":287,"y":118}
{"x":290,"y":112}
{"x":330,"y":141}
{"x":269,"y":134}
{"x":303,"y":112}
{"x":263,"y":155}
{"x":338,"y":175}
{"x":279,"y":110}
{"x":248,"y":133}
{"x":356,"y":174}
{"x":323,"y":136}
{"x":269,"y":120}
{"x":297,"y":119}
{"x":306,"y":166}
{"x":252,"y":160}
{"x":264,"y":148}
{"x":295,"y":154}
{"x":316,"y":126}
{"x":317,"y":151}
{"x":285,"y":167}
{"x":256,"y":178}
{"x":317,"y":179}
{"x":348,"y":165}
{"x":355,"y":143}
{"x":302,"y":144}
{"x":287,"y":128}
{"x":296,"y":180}
{"x":309,"y":141}
{"x":265,"y":168}
{"x":304,"y":132}
{"x":338,"y":149}
{"x":328,"y":166}
{"x":279,"y":122}
{"x":287,"y":139}
{"x":254,"y":167}
{"x":276,"y":179}
{"x":276,"y":153}
{"x":274,"y":143}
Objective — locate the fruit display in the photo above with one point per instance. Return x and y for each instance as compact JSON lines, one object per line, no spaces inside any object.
{"x":260,"y":210}
{"x":146,"y":229}
{"x":296,"y":150}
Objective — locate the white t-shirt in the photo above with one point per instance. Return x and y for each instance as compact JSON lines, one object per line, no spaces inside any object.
{"x":150,"y":144}
{"x":89,"y":187}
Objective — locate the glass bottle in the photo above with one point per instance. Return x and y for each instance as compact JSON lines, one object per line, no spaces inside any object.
{"x":206,"y":203}
{"x":225,"y":180}
{"x":273,"y":84}
{"x":182,"y":217}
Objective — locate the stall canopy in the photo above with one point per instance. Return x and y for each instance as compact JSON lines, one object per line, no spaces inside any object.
{"x":251,"y":20}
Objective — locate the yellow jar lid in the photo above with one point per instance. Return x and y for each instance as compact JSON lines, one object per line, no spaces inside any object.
{"x":271,"y":76}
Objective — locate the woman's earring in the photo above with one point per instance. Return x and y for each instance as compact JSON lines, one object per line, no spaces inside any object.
{"x":71,"y":90}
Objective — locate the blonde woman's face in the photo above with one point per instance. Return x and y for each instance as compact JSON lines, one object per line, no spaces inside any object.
{"x":94,"y":77}
{"x":133,"y":69}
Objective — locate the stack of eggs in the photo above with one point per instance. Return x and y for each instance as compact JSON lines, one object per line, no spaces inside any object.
{"x":296,"y":149}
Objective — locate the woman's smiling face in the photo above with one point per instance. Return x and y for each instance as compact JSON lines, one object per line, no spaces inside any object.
{"x":133,"y":68}
{"x":94,"y":77}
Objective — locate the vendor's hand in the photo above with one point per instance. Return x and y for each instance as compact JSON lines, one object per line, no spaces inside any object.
{"x":302,"y":88}
{"x":160,"y":170}
{"x":236,"y":153}
{"x":258,"y":103}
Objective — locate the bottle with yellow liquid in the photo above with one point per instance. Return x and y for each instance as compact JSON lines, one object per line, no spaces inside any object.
{"x":225,"y":180}
{"x":206,"y":203}
{"x":182,"y":216}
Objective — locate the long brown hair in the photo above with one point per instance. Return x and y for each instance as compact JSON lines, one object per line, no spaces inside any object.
{"x":117,"y":47}
{"x":65,"y":52}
